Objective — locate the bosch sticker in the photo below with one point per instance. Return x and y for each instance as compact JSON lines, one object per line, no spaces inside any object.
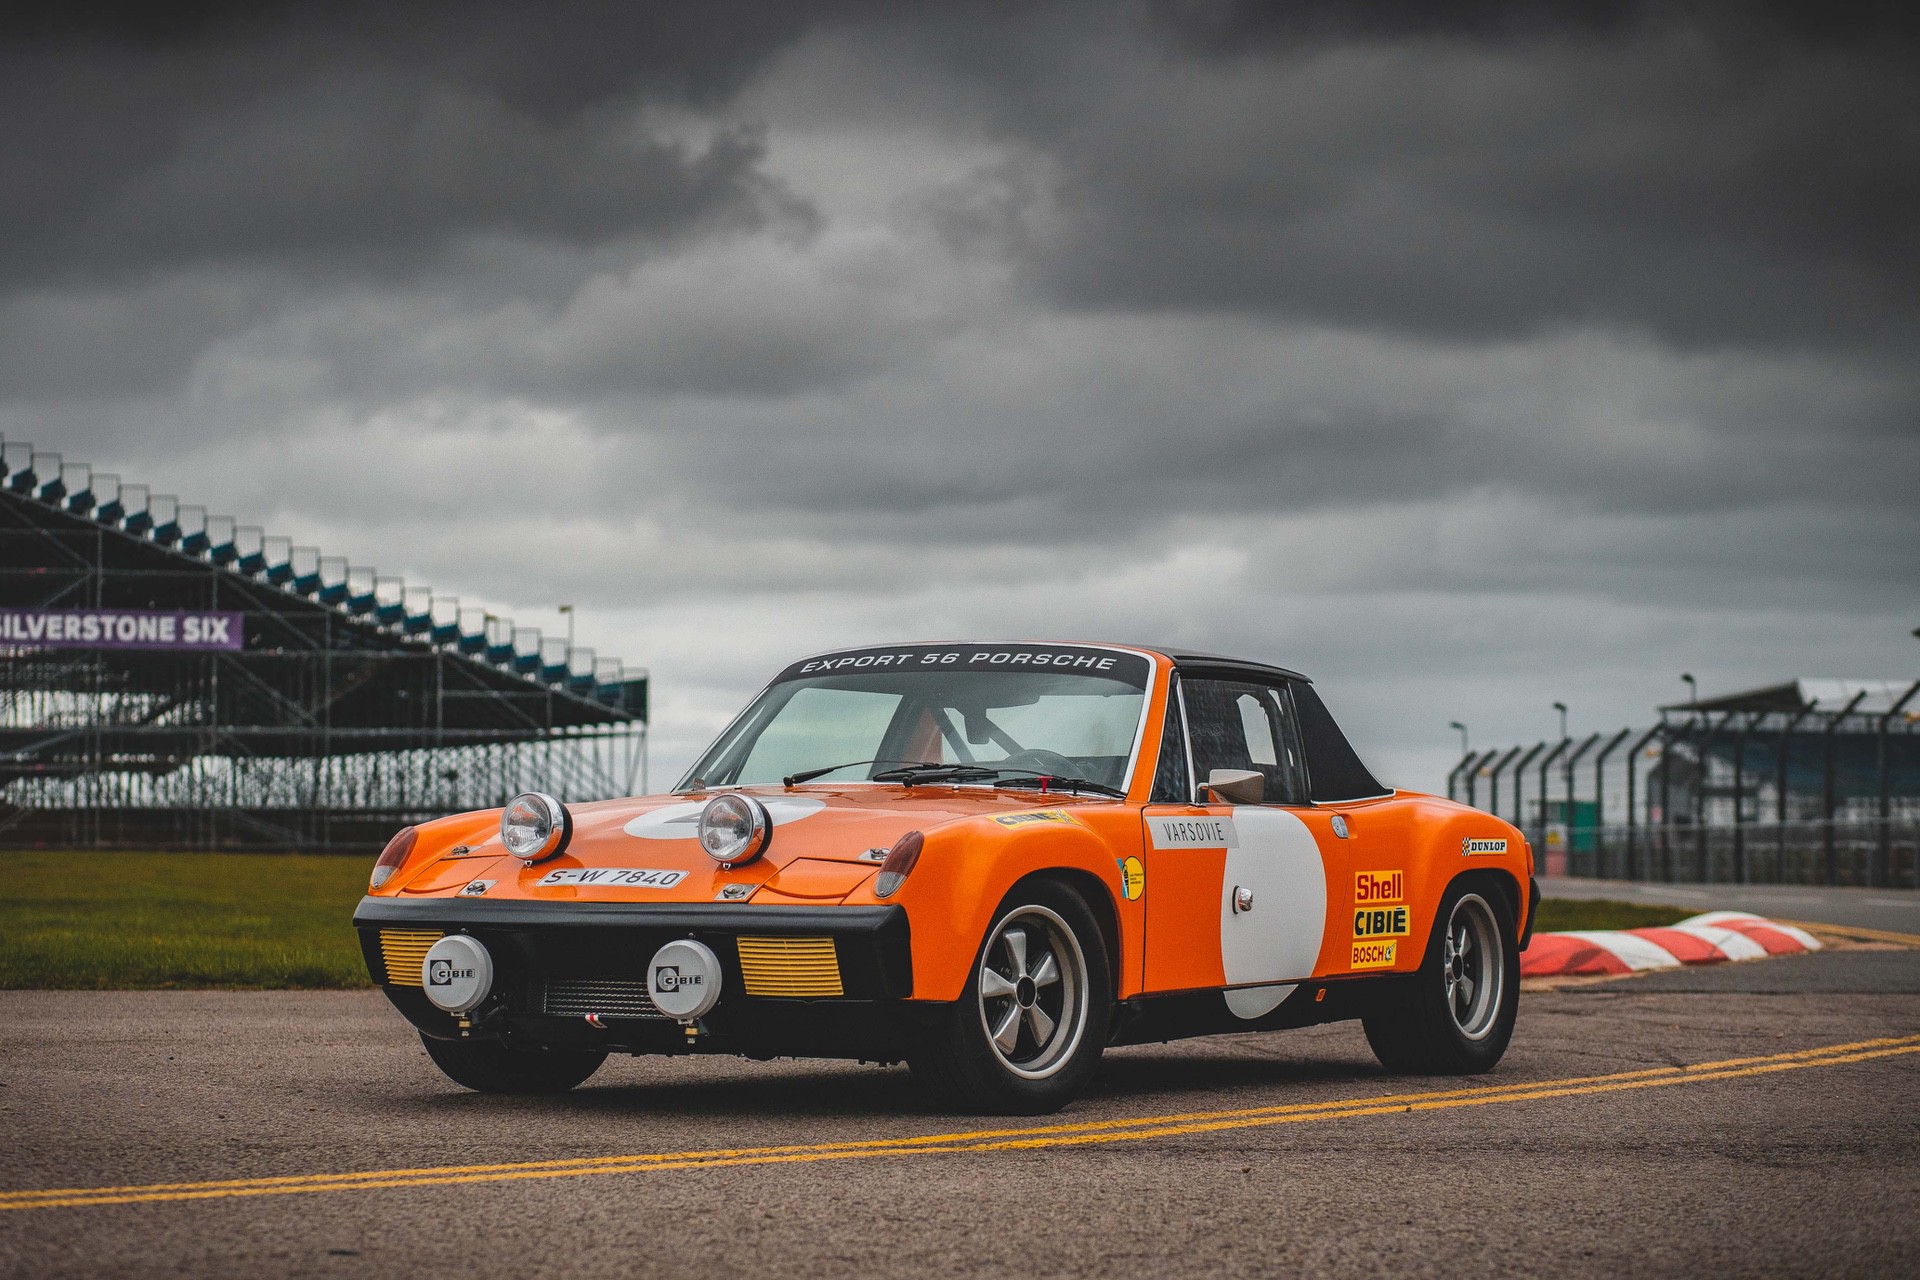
{"x":1374,"y":955}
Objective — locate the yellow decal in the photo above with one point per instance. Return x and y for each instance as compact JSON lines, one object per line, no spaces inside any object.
{"x":1373,"y":955}
{"x":1380,"y":922}
{"x":1378,"y":886}
{"x":1022,"y":819}
{"x":1133,"y":878}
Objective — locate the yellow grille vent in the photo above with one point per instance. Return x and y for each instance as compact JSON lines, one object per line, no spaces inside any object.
{"x":789,"y":967}
{"x":404,"y":951}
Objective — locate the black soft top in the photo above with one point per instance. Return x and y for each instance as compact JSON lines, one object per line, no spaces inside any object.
{"x":1334,"y":769}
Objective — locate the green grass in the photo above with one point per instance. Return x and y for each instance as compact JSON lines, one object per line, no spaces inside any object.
{"x":135,"y":921}
{"x":1557,"y":914}
{"x":131,"y":921}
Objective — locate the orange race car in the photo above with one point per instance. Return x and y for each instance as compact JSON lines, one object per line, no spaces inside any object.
{"x":990,"y":861}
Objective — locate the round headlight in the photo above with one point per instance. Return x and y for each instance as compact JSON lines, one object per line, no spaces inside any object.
{"x":735,"y":829}
{"x":535,"y":827}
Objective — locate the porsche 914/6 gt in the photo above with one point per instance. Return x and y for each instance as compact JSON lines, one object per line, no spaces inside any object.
{"x":989,"y":861}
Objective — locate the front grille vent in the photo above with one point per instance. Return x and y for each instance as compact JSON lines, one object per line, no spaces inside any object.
{"x":403,"y":951}
{"x":789,"y":967}
{"x":608,"y":997}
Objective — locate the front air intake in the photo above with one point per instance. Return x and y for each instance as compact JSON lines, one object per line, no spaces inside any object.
{"x":403,"y":951}
{"x":607,"y":997}
{"x":789,"y":967}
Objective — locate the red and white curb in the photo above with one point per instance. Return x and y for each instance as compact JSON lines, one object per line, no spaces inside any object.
{"x":1706,"y":939}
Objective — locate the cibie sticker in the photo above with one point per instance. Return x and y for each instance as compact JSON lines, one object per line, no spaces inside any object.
{"x":1024,"y":819}
{"x":1374,"y":955}
{"x":1204,"y":832}
{"x":475,"y":888}
{"x":1133,"y":878}
{"x":1470,"y":846}
{"x":1378,"y":886}
{"x":614,"y":877}
{"x":1380,"y":922}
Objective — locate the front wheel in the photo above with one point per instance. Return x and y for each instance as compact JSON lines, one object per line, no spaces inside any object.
{"x":1456,"y":1015}
{"x":1027,"y":1032}
{"x":489,"y":1066}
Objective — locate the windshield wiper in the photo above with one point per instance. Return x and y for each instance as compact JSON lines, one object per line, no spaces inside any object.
{"x":1056,"y":780}
{"x":987,"y":772}
{"x":937,"y":773}
{"x":808,"y":775}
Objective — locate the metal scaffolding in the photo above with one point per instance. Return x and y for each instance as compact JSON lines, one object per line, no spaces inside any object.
{"x":347,"y":704}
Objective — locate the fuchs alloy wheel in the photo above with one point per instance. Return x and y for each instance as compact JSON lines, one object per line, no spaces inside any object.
{"x":1028,"y":1030}
{"x":489,"y":1066}
{"x":1456,"y":1015}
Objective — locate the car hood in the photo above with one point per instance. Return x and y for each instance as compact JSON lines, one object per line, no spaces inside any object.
{"x":822,"y":846}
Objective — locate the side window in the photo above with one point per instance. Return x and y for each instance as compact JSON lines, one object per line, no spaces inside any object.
{"x":1247,"y":726}
{"x":1170,"y":783}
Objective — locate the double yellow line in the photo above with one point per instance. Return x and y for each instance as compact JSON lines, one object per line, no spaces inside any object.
{"x":1134,"y":1129}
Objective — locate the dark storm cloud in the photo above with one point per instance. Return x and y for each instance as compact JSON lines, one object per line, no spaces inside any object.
{"x":145,"y":139}
{"x":1711,"y":173}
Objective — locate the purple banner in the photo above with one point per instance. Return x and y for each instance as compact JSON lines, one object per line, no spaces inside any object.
{"x":118,"y":629}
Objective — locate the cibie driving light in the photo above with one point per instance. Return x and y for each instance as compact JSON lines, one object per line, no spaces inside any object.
{"x":535,"y":827}
{"x":900,"y":860}
{"x":735,"y":829}
{"x":392,"y":856}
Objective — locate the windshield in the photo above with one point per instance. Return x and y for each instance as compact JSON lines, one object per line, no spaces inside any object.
{"x":1055,"y":710}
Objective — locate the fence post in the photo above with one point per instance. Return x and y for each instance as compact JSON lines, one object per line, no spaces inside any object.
{"x":1600,"y":796}
{"x":1830,"y":804}
{"x":1633,"y":763}
{"x":1571,"y":761}
{"x":1780,"y":791}
{"x":1883,"y":868}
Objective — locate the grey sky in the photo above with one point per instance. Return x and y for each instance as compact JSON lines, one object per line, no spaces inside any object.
{"x":1536,"y":352}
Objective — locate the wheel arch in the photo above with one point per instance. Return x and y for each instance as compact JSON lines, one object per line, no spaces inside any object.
{"x":1099,"y":899}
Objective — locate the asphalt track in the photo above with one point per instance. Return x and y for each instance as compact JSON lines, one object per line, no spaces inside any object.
{"x":1631,"y":1130}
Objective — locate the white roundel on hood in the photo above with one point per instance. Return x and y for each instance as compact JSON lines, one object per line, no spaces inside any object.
{"x":682,"y":821}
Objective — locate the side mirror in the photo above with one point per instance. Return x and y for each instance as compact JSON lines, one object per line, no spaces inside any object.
{"x":1234,"y":786}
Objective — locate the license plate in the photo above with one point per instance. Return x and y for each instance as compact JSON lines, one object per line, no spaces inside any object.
{"x":615,"y":877}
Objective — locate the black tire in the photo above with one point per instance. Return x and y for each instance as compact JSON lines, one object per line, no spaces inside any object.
{"x":961,"y":1063}
{"x":488,"y":1066}
{"x":1421,"y":1024}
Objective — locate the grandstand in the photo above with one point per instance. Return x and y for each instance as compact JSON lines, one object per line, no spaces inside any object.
{"x":171,"y":679}
{"x":1808,"y":781}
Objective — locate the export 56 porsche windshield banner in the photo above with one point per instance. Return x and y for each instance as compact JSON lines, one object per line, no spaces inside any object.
{"x":119,"y":629}
{"x":1060,"y":659}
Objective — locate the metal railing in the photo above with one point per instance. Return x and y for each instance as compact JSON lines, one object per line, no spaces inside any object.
{"x":1883,"y":853}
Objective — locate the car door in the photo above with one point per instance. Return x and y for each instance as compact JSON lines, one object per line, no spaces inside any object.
{"x":1238,"y":895}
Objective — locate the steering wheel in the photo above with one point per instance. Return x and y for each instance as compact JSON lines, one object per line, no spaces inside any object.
{"x":1042,"y":761}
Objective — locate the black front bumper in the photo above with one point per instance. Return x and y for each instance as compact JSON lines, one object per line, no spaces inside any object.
{"x":538,"y":947}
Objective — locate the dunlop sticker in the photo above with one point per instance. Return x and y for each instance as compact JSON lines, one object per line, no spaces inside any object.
{"x":1471,"y":846}
{"x":1371,"y":887}
{"x":1133,"y":878}
{"x":1023,"y":819}
{"x":1374,"y":955}
{"x":1202,"y":832}
{"x":1380,"y":922}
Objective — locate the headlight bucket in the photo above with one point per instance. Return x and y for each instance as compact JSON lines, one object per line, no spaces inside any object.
{"x":735,"y":829}
{"x":392,"y":856}
{"x":534,"y":827}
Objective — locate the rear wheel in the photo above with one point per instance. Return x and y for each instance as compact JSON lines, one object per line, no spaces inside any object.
{"x":1456,"y":1015}
{"x":1027,"y":1032}
{"x":490,"y":1066}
